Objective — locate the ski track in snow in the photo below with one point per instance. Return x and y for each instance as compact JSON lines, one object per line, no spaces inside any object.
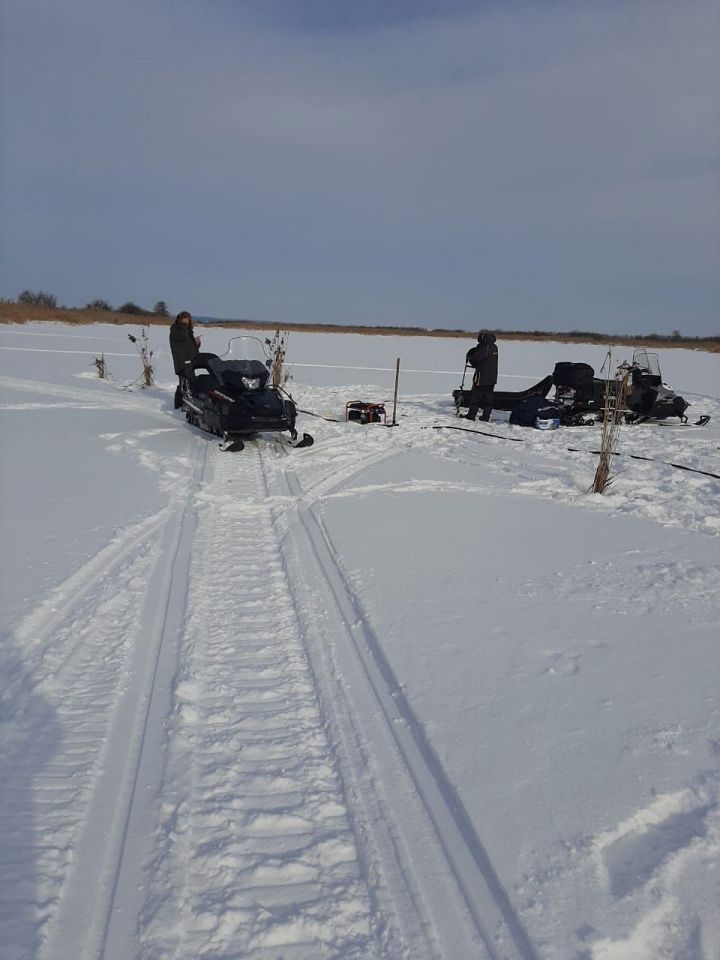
{"x":78,"y":669}
{"x":406,"y":795}
{"x":103,"y":396}
{"x":253,"y":814}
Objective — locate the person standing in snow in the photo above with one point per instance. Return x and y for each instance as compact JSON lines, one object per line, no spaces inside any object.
{"x":484,"y":358}
{"x":185,"y":346}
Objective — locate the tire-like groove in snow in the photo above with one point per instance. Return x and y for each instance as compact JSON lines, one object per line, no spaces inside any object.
{"x":61,"y":605}
{"x":108,"y":854}
{"x":65,"y":668}
{"x":255,"y":856}
{"x":498,"y":926}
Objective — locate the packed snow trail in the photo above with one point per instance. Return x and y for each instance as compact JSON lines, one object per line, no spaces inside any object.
{"x":256,"y":857}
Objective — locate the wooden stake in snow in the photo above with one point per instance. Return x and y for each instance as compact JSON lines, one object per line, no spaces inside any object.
{"x":397,"y":378}
{"x":616,"y":391}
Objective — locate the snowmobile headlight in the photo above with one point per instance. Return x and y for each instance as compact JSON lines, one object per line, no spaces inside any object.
{"x":251,"y":383}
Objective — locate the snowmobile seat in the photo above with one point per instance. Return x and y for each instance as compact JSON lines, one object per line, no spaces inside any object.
{"x":577,"y":377}
{"x":202,"y":382}
{"x":641,"y":378}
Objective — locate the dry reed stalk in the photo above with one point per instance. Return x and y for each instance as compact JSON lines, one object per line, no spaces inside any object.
{"x":142,"y":345}
{"x":277,"y":348}
{"x":616,"y":392}
{"x":101,"y":366}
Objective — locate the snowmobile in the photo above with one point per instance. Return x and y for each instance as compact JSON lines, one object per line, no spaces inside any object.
{"x":580,"y":391}
{"x":649,"y":398}
{"x":230,"y":396}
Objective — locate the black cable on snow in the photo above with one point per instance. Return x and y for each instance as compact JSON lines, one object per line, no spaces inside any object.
{"x":484,"y":433}
{"x":667,"y":463}
{"x":319,"y":415}
{"x":634,"y":456}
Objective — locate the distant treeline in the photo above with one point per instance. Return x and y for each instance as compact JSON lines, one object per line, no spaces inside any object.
{"x":96,"y":310}
{"x":38,"y":298}
{"x":396,"y":330}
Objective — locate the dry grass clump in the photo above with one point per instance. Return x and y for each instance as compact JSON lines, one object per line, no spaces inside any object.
{"x":276,"y":347}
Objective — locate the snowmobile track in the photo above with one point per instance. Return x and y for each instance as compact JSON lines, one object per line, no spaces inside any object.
{"x":66,"y":666}
{"x":83,"y":589}
{"x":107,"y":852}
{"x":256,"y":857}
{"x":109,"y":398}
{"x":427,"y":795}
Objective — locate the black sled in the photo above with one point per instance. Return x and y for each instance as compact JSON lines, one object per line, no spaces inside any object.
{"x":231,"y":397}
{"x":506,"y":399}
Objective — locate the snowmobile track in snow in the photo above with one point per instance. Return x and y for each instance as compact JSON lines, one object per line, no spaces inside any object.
{"x":426,"y":793}
{"x":254,"y":820}
{"x":124,"y":727}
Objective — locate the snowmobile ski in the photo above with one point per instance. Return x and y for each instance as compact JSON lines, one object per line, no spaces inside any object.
{"x":701,"y":422}
{"x":231,"y":444}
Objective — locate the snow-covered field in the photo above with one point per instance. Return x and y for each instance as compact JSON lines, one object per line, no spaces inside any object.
{"x":410,"y":693}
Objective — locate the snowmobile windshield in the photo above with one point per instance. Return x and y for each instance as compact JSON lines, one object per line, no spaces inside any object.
{"x":647,"y":362}
{"x":245,"y":348}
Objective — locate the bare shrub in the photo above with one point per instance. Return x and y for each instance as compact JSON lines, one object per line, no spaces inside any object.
{"x":101,"y":367}
{"x":132,"y":308}
{"x":142,"y":345}
{"x":28,"y":298}
{"x":276,"y":348}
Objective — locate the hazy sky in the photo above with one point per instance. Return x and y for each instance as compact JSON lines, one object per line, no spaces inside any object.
{"x":549,"y":165}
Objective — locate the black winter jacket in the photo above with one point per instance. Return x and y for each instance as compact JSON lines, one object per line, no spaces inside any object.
{"x":183,"y":346}
{"x":484,"y":357}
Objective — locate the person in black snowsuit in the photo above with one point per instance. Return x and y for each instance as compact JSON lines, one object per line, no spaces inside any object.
{"x":484,"y":358}
{"x":185,"y":346}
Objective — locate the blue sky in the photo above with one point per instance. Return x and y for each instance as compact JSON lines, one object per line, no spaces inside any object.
{"x":532,"y":165}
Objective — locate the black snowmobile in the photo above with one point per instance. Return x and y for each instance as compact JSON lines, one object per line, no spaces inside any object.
{"x":649,"y":398}
{"x":580,"y":391}
{"x":230,"y":396}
